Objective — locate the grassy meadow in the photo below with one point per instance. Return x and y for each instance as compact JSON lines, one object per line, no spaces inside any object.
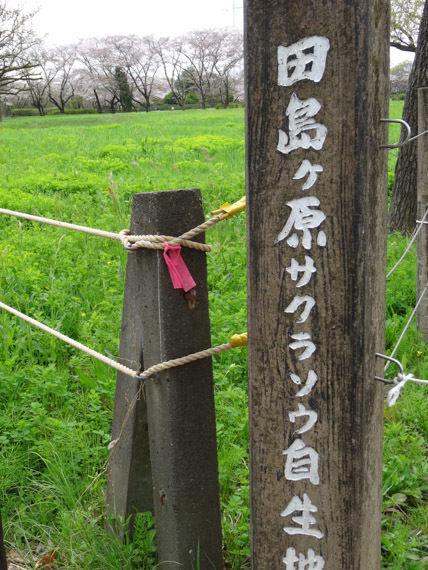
{"x":56,"y":403}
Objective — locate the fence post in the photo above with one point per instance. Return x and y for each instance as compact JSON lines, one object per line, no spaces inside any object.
{"x":178,"y":404}
{"x":422,"y":314}
{"x":3,"y":557}
{"x":316,"y":89}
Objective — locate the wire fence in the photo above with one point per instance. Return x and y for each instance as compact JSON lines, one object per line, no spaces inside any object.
{"x":416,"y":231}
{"x":401,"y":378}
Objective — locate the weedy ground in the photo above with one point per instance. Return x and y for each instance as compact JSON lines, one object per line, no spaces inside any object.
{"x":56,"y":404}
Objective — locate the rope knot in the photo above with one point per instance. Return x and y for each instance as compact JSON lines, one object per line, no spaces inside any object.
{"x":401,"y":376}
{"x":132,"y":242}
{"x":400,"y":381}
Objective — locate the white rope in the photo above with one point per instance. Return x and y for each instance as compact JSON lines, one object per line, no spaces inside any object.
{"x":407,"y":326}
{"x":415,"y":235}
{"x":70,"y":341}
{"x":400,"y":381}
{"x":234,"y":342}
{"x":130,"y":242}
{"x":65,"y":225}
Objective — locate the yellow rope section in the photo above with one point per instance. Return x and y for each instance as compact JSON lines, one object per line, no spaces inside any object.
{"x":235,"y":341}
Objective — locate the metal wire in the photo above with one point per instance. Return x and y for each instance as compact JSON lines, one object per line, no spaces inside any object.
{"x":407,"y":326}
{"x":412,"y":241}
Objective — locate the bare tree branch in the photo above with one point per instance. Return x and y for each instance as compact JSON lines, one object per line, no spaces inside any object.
{"x":405,"y":18}
{"x":16,"y":42}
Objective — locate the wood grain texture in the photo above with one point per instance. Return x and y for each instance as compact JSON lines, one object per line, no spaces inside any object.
{"x":347,"y":323}
{"x":422,"y":314}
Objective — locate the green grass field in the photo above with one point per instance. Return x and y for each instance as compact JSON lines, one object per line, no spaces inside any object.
{"x":56,"y":403}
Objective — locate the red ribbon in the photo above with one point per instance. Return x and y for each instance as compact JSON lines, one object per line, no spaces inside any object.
{"x":180,"y":275}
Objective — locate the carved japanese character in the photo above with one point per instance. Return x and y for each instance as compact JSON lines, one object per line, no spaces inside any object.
{"x":305,"y":59}
{"x":303,"y":340}
{"x":295,"y":268}
{"x":309,"y":562}
{"x":312,"y":170}
{"x":302,"y":462}
{"x":311,"y":380}
{"x":306,"y":521}
{"x":306,"y":300}
{"x":303,"y":218}
{"x":302,"y":411}
{"x":303,"y":131}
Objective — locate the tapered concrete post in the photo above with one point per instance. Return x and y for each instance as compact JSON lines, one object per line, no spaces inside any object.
{"x":422,"y":313}
{"x":3,"y":559}
{"x":316,"y":90}
{"x":178,"y":404}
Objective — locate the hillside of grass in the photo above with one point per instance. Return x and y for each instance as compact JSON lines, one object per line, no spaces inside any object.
{"x":56,"y":403}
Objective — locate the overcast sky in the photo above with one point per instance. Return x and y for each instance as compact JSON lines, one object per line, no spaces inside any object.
{"x":67,"y":22}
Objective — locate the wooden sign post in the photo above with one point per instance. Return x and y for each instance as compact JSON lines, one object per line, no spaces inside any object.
{"x":316,"y":89}
{"x":422,"y":314}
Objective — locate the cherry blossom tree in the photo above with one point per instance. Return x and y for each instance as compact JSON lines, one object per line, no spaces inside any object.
{"x":139,"y":58}
{"x":17,"y":39}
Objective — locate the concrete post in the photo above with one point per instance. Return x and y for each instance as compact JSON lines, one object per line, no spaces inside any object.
{"x":3,"y":558}
{"x":178,"y":404}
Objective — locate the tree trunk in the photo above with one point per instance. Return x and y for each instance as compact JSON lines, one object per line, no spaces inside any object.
{"x":97,"y":102}
{"x":402,"y":212}
{"x":226,"y":94}
{"x":40,"y":109}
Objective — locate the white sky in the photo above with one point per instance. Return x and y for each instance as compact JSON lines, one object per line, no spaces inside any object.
{"x":67,"y":22}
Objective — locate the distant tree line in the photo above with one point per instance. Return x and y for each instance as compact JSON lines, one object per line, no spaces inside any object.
{"x":399,"y":78}
{"x":132,"y":73}
{"x":118,"y":73}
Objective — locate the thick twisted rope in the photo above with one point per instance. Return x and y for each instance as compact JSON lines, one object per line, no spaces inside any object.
{"x":70,"y":341}
{"x":158,"y":242}
{"x":183,"y":360}
{"x":130,"y":242}
{"x":234,"y":341}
